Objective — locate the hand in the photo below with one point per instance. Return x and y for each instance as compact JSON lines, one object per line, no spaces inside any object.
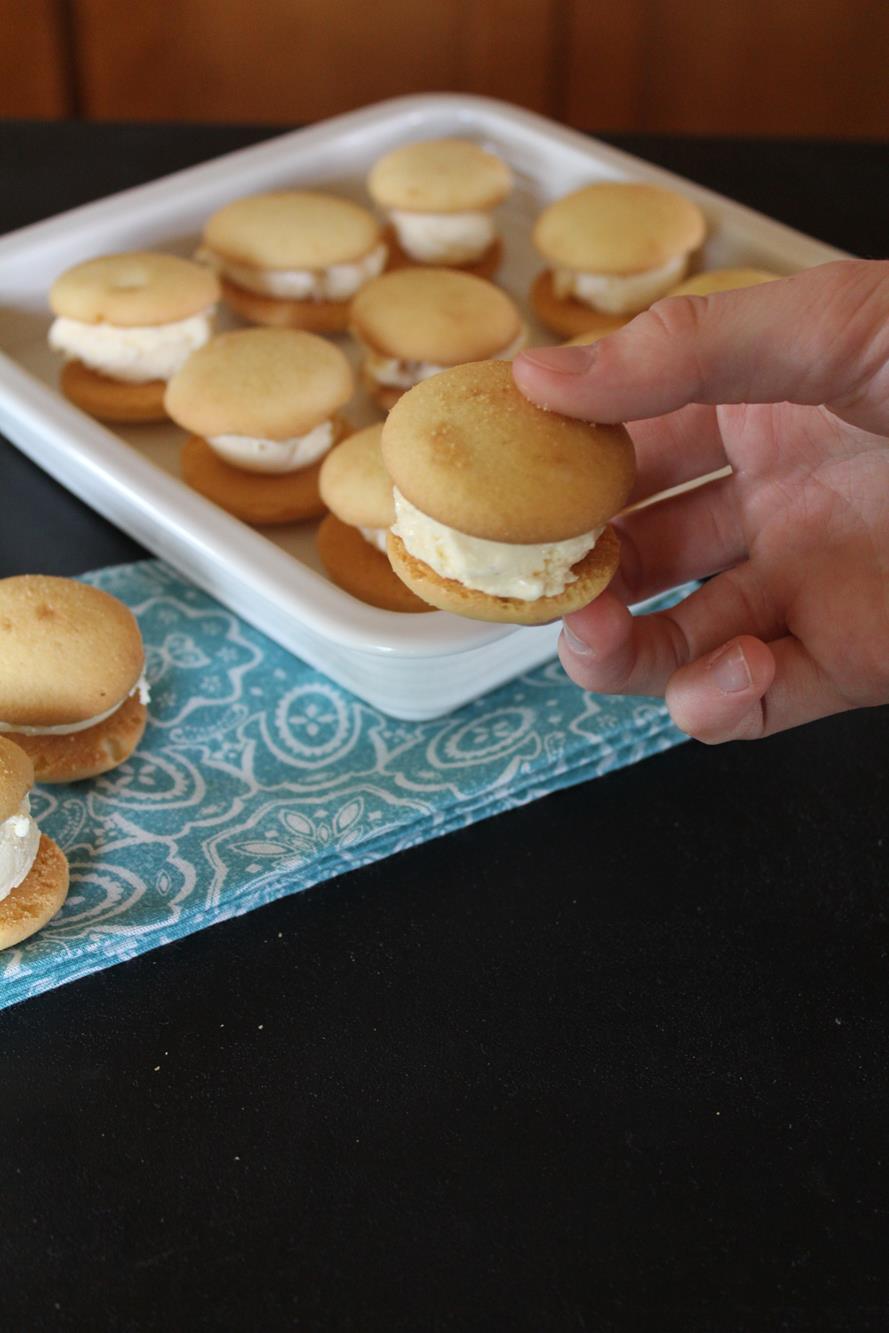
{"x":789,"y":383}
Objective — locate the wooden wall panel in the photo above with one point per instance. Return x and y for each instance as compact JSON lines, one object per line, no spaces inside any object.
{"x":33,"y":69}
{"x":256,"y":60}
{"x":687,"y":66}
{"x":810,"y":67}
{"x":298,"y":60}
{"x":510,"y":49}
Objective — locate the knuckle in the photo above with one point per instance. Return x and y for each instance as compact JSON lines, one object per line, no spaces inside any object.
{"x":675,"y":316}
{"x":680,"y":322}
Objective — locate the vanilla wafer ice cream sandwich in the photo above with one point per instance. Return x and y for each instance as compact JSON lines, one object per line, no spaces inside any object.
{"x":293,"y":258}
{"x":33,"y":870}
{"x":263,"y":408}
{"x":416,"y":322}
{"x":125,"y":323}
{"x":351,"y":539}
{"x":502,"y":509}
{"x":611,"y":250}
{"x":439,"y":196}
{"x":73,"y":693}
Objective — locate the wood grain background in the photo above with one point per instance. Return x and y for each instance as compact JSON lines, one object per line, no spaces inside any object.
{"x":810,"y":67}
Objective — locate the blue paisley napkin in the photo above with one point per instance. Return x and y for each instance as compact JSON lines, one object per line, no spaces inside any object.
{"x":258,"y":777}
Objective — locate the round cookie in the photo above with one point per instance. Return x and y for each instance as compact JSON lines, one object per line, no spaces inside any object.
{"x":363,"y":571}
{"x":637,"y":236}
{"x":618,"y":227}
{"x":357,"y":490}
{"x":33,"y":902}
{"x":436,"y":316}
{"x":483,"y":267}
{"x":134,"y":293}
{"x":439,"y":176}
{"x":592,"y":575}
{"x":112,"y":400}
{"x":261,"y":499}
{"x":271,"y":383}
{"x":292,"y":229}
{"x":284,"y":230}
{"x":723,"y":280}
{"x":569,"y":317}
{"x":263,"y":385}
{"x":136,"y":289}
{"x":69,"y":653}
{"x":469,"y":452}
{"x":354,"y":482}
{"x":468,"y":449}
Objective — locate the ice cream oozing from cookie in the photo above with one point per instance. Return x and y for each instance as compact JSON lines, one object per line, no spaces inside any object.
{"x":501,"y":509}
{"x":125,"y":324}
{"x":293,"y":258}
{"x":263,"y":408}
{"x":439,"y":196}
{"x":611,"y":250}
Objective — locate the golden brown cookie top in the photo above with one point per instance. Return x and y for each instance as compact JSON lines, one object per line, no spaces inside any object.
{"x":722,"y":280}
{"x":435,"y":315}
{"x":440,"y":176}
{"x":16,"y":778}
{"x":68,"y":652}
{"x":618,"y":227}
{"x":299,"y":229}
{"x":140,"y":288}
{"x":355,"y":484}
{"x":468,"y":449}
{"x":271,"y":384}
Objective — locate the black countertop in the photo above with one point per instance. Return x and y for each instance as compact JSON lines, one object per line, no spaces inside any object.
{"x":617,"y":1060}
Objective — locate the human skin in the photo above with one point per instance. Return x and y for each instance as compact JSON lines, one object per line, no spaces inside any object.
{"x":787,"y":382}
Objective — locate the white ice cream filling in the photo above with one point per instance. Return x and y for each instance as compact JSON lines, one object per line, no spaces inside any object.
{"x":502,"y":569}
{"x":376,"y":537}
{"x":397,"y":373}
{"x":337,"y":282}
{"x":255,"y":454}
{"x":619,"y":293}
{"x":19,"y":844}
{"x":137,"y":353}
{"x":452,"y":238}
{"x":141,"y":689}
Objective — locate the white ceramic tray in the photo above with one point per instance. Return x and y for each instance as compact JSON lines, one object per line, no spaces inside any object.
{"x":409,"y":666}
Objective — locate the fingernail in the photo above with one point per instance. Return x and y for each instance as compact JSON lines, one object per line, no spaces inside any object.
{"x":577,"y":645}
{"x":563,"y":360}
{"x":728,"y":669}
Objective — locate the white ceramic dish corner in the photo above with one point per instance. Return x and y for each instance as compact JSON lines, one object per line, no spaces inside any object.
{"x":412,"y":667}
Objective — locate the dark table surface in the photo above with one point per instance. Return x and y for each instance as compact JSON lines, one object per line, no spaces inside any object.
{"x":617,"y":1060}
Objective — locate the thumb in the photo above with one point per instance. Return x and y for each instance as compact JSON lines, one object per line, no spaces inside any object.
{"x":818,"y":337}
